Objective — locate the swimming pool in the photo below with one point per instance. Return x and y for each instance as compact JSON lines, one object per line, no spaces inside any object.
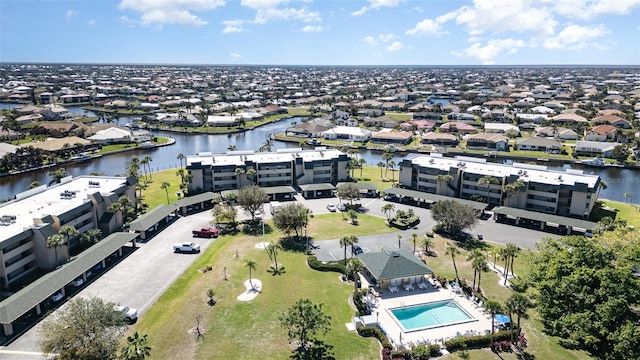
{"x":430,"y":315}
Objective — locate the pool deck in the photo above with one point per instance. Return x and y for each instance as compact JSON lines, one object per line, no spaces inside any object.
{"x":439,"y":334}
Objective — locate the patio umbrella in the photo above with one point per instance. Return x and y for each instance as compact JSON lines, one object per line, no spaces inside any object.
{"x":501,"y":319}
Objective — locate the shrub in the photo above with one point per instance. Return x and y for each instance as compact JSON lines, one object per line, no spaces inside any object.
{"x":519,"y":284}
{"x":478,"y":341}
{"x":401,"y":354}
{"x":336,"y":266}
{"x":360,"y":305}
{"x":374,"y":331}
{"x":434,"y":350}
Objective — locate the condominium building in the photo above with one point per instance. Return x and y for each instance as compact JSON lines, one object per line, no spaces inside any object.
{"x":564,"y":193}
{"x":26,"y":222}
{"x":286,"y":167}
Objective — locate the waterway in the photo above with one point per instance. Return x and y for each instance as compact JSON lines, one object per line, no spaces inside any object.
{"x":619,"y":180}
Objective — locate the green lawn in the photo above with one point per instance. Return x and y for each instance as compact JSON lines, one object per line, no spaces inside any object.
{"x":629,"y":212}
{"x":154,"y":195}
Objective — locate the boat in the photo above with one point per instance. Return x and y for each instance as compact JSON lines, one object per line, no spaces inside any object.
{"x":80,"y":158}
{"x":147,"y":145}
{"x":598,"y":162}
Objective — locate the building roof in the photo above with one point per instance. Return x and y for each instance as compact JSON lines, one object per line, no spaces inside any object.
{"x":238,"y":158}
{"x":432,"y":198}
{"x":540,"y":141}
{"x":603,"y":129}
{"x":550,"y":218}
{"x":146,"y":221}
{"x":487,"y":137}
{"x":393,"y":264}
{"x":111,"y":133}
{"x":595,"y":145}
{"x":28,"y":297}
{"x":316,"y":187}
{"x":56,"y":144}
{"x":195,"y":199}
{"x":392,"y":135}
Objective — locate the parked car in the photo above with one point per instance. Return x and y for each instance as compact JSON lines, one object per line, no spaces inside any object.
{"x":332,"y":207}
{"x":356,"y":250}
{"x":186,"y":247}
{"x":342,"y":207}
{"x":76,"y":282}
{"x":130,"y":314}
{"x":56,"y":297}
{"x":389,"y":197}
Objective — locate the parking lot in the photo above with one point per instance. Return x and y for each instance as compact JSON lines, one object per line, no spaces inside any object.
{"x":141,"y":277}
{"x":136,"y":281}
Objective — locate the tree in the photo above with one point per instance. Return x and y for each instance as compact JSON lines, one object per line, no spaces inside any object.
{"x":249,"y":263}
{"x":348,"y":191}
{"x":487,"y":181}
{"x":211,"y":295}
{"x":392,"y":165}
{"x":387,"y":210}
{"x":453,"y":251}
{"x":146,"y":161}
{"x":353,"y":216}
{"x":627,"y":197}
{"x":90,"y":237}
{"x":519,"y":304}
{"x":137,"y":347}
{"x":453,"y":217}
{"x":361,"y":163}
{"x":510,"y":189}
{"x":347,"y":241}
{"x":68,"y":232}
{"x":58,"y":175}
{"x":83,"y":329}
{"x":165,"y":186}
{"x":493,"y":307}
{"x":181,"y":157}
{"x":380,"y":164}
{"x":251,"y":198}
{"x":415,"y":240}
{"x":479,"y":265}
{"x":587,"y":293}
{"x":272,"y":251}
{"x":33,"y":185}
{"x":292,"y":218}
{"x":303,"y":320}
{"x":399,"y":241}
{"x":54,"y":241}
{"x":354,"y":266}
{"x":387,"y":155}
{"x":426,"y":244}
{"x":621,"y":153}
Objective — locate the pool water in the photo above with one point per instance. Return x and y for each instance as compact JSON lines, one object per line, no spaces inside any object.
{"x":418,"y":317}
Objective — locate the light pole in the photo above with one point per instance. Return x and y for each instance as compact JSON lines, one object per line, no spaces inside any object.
{"x":377,"y":313}
{"x":306,"y":239}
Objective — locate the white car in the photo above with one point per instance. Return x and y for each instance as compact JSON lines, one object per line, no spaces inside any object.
{"x":332,"y":207}
{"x":77,"y":282}
{"x":342,"y":207}
{"x":57,"y":296}
{"x":130,"y":314}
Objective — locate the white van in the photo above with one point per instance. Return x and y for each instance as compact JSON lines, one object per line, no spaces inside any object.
{"x":275,"y":206}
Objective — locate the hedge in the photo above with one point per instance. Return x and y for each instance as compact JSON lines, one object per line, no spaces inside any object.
{"x":374,"y":331}
{"x":405,"y":223}
{"x":336,"y":266}
{"x":477,"y":341}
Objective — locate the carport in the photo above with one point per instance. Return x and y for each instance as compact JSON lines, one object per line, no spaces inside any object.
{"x":544,"y":219}
{"x":312,"y":191}
{"x":366,"y":190}
{"x":31,"y":297}
{"x":150,"y":222}
{"x":279,"y":193}
{"x":195,"y":203}
{"x":430,"y":198}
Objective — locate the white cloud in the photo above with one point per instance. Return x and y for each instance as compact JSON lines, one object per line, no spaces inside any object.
{"x":312,"y":28}
{"x":264,"y":16}
{"x":125,"y":19}
{"x":586,"y":9}
{"x":376,"y":4}
{"x":498,"y":16}
{"x":387,"y":37}
{"x":70,"y":14}
{"x":575,"y":37}
{"x":160,"y":12}
{"x":263,"y":4}
{"x":369,"y":40}
{"x":233,"y":26}
{"x":235,"y":56}
{"x":395,"y":46}
{"x":91,"y":22}
{"x":487,"y":53}
{"x":425,"y":27}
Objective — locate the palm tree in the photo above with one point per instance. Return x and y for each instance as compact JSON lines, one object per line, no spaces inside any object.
{"x":68,"y":232}
{"x":519,"y":304}
{"x":391,"y":165}
{"x":453,"y":251}
{"x":361,"y":163}
{"x":252,"y":266}
{"x":353,"y":267}
{"x":347,"y":241}
{"x":473,"y":255}
{"x":487,"y":180}
{"x":387,"y":210}
{"x":511,"y":188}
{"x":415,"y":240}
{"x":510,"y":253}
{"x":33,"y":185}
{"x":479,"y":265}
{"x":492,"y":307}
{"x":180,"y":157}
{"x":386,"y":156}
{"x":147,"y":161}
{"x":232,"y":148}
{"x":54,"y":241}
{"x":137,"y":347}
{"x":165,"y":186}
{"x":440,"y":178}
{"x":426,"y":244}
{"x":272,"y":251}
{"x":380,"y":164}
{"x":211,"y":294}
{"x":58,"y":175}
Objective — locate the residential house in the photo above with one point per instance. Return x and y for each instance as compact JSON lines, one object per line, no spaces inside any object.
{"x":488,"y":141}
{"x":222,"y":120}
{"x":569,"y":118}
{"x":500,"y":128}
{"x":602,"y":132}
{"x":348,"y":133}
{"x":442,"y":139}
{"x":6,"y":148}
{"x":47,"y":98}
{"x":56,"y":129}
{"x":458,"y":127}
{"x":458,"y":116}
{"x":311,"y":129}
{"x":75,"y":98}
{"x":594,"y":148}
{"x":613,"y":120}
{"x":28,"y":119}
{"x":558,"y":132}
{"x":421,"y":125}
{"x":112,"y":135}
{"x":435,"y":116}
{"x":388,"y":137}
{"x":536,"y":143}
{"x":531,"y":118}
{"x":382,"y":121}
{"x":53,"y":113}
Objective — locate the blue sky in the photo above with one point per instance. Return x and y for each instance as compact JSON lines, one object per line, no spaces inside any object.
{"x":322,"y":32}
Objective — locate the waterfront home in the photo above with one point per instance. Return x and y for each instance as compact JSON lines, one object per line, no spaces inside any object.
{"x":500,"y":128}
{"x":594,"y":148}
{"x":488,"y":141}
{"x":602,"y":132}
{"x":397,"y":137}
{"x":220,"y":120}
{"x":537,"y":143}
{"x":442,"y":139}
{"x":112,"y":135}
{"x":613,"y":120}
{"x":310,"y":129}
{"x":421,"y":125}
{"x":347,"y":133}
{"x":558,"y":133}
{"x":458,"y":127}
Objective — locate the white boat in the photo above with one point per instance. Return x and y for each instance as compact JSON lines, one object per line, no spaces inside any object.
{"x":594,"y":162}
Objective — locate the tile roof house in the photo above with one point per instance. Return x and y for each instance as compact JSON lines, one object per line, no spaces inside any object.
{"x":602,"y":132}
{"x":540,"y":144}
{"x":614,"y":120}
{"x":442,"y":139}
{"x":392,"y":137}
{"x":459,"y":127}
{"x":488,"y":141}
{"x":559,"y":132}
{"x":569,"y":117}
{"x":417,"y":125}
{"x":347,"y":132}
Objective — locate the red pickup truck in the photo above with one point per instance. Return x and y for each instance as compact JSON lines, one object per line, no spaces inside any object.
{"x":206,"y":231}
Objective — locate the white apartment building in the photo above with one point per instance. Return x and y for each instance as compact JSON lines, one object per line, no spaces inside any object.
{"x":568,"y":193}
{"x":286,"y":167}
{"x":36,"y":214}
